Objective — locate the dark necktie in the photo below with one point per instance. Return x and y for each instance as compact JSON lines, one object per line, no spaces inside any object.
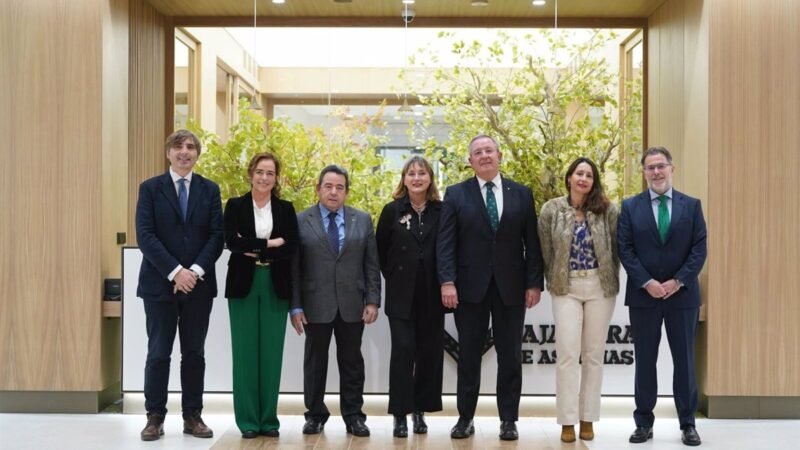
{"x":663,"y":217}
{"x":333,"y":233}
{"x":183,"y":197}
{"x":491,"y":206}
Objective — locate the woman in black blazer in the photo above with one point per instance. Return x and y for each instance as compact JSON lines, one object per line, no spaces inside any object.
{"x":406,"y":236}
{"x":261,"y":234}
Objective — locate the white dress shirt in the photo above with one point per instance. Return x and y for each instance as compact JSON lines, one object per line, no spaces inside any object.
{"x":498,"y":192}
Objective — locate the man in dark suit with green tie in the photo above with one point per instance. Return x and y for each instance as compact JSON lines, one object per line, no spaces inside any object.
{"x":490,"y":265}
{"x":661,"y":234}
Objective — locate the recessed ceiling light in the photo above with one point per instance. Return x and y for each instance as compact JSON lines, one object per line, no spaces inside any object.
{"x":279,"y":2}
{"x":408,"y":2}
{"x":480,"y":2}
{"x":539,"y":2}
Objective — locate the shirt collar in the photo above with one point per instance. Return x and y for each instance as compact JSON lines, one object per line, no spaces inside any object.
{"x":495,"y":180}
{"x":176,"y":177}
{"x":654,"y":196}
{"x":265,"y":208}
{"x":324,"y":212}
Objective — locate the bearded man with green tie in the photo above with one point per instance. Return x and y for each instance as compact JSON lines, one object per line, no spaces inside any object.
{"x":489,"y":264}
{"x":661,"y":236}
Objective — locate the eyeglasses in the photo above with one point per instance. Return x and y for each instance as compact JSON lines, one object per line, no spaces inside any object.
{"x":654,"y":167}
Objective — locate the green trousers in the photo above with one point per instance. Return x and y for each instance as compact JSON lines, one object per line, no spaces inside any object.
{"x":258,"y":327}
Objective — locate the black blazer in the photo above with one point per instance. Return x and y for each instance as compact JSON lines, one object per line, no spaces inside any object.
{"x":469,"y":253}
{"x":400,"y":249}
{"x":166,"y":240}
{"x":240,"y":237}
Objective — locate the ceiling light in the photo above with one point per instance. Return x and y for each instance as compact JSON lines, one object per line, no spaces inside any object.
{"x":408,"y":2}
{"x":279,"y":2}
{"x":539,"y":2}
{"x":480,"y":2}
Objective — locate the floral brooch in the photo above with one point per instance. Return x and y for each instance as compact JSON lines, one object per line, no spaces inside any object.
{"x":406,"y":220}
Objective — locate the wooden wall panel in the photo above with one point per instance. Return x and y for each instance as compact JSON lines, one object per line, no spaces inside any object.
{"x":114,"y":169}
{"x":753,"y":337}
{"x":665,"y":82}
{"x":146,"y":156}
{"x":115,"y":133}
{"x":50,"y":81}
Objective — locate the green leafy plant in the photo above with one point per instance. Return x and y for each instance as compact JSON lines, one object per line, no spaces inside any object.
{"x":303,"y":153}
{"x":544,"y":111}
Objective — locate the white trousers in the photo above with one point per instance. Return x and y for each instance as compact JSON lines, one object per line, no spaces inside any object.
{"x":582,"y":317}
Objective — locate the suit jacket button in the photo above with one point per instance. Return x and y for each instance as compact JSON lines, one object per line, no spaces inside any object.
{"x":399,"y":267}
{"x":403,"y":247}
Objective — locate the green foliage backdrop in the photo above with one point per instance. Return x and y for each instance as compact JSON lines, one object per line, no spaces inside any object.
{"x":538,"y":110}
{"x":303,"y":153}
{"x":539,"y":115}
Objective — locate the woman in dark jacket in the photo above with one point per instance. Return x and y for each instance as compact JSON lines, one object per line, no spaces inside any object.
{"x":406,"y":237}
{"x":261,"y":233}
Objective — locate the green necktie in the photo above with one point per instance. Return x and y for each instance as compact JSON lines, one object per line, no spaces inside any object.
{"x":491,"y":206}
{"x":663,"y":217}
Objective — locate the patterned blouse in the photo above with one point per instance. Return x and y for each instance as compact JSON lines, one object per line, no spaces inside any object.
{"x":581,"y":255}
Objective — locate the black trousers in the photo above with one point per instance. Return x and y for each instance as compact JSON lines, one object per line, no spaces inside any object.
{"x":188,"y":317}
{"x":472,"y":320}
{"x":351,"y":368}
{"x":417,"y":359}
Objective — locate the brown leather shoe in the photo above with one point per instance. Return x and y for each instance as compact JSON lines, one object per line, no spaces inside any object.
{"x":586,"y":433}
{"x":154,"y":428}
{"x":568,"y":433}
{"x":195,"y":426}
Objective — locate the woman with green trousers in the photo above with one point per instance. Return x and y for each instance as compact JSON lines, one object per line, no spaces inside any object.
{"x":261,"y":234}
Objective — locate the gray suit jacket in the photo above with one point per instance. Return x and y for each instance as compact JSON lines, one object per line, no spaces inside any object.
{"x":324,"y":283}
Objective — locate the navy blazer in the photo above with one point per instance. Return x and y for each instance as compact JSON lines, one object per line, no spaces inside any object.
{"x":469,"y":252}
{"x":240,"y":237}
{"x":645,"y":257}
{"x":167,"y":241}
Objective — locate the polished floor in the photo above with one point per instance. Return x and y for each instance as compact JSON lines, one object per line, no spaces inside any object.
{"x":537,"y":428}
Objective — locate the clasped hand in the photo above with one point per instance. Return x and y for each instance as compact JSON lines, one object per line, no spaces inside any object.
{"x":663,"y":290}
{"x":185,"y":280}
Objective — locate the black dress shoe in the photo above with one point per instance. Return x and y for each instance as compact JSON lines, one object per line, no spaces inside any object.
{"x":313,"y":426}
{"x":271,"y":433}
{"x":463,"y":429}
{"x":400,"y":427}
{"x":249,"y":434}
{"x":418,"y":419}
{"x":689,"y":436}
{"x":358,"y":428}
{"x":641,"y":434}
{"x":508,"y":431}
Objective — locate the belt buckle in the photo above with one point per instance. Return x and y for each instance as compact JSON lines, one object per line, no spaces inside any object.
{"x":583,"y":273}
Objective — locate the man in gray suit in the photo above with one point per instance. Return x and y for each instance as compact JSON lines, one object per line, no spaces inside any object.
{"x":336,"y":290}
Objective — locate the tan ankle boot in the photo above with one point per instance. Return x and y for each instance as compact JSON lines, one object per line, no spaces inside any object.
{"x":568,"y":433}
{"x":587,"y":434}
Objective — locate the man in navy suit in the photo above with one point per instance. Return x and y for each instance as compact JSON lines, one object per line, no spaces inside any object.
{"x":490,"y":265}
{"x":661,"y":235}
{"x":179,"y":228}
